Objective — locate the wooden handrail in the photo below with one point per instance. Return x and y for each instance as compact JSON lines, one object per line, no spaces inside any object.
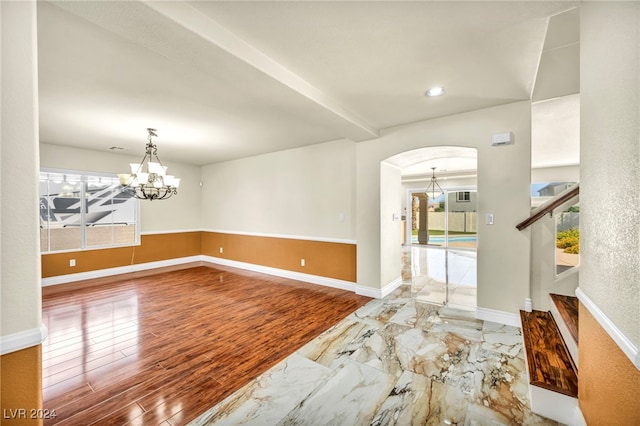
{"x":550,"y":206}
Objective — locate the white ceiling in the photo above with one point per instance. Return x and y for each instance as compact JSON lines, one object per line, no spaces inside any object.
{"x":226,"y":80}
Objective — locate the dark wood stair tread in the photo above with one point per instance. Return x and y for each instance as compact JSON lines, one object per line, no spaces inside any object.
{"x":550,"y":364}
{"x":568,"y":309}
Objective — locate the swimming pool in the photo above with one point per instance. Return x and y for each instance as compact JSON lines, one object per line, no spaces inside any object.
{"x":454,"y":238}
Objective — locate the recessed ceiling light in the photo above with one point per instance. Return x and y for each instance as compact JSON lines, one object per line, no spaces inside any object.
{"x":435,"y":91}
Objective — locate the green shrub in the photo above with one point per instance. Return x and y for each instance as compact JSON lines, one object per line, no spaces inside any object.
{"x":569,"y":240}
{"x":574,"y":249}
{"x":572,"y":232}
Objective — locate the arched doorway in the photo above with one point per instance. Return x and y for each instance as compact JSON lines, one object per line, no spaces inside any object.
{"x":439,"y":226}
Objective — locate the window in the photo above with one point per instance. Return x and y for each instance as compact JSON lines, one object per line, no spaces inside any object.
{"x":543,"y":191}
{"x":568,"y":239}
{"x":82,"y":210}
{"x":463,"y":196}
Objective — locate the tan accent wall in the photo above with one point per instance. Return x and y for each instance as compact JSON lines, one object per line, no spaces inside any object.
{"x":152,"y":248}
{"x":332,"y":260}
{"x":325,"y":259}
{"x":21,"y":387}
{"x":609,"y":382}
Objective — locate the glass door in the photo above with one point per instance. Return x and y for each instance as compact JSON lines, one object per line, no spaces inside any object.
{"x":450,"y":220}
{"x":461,"y":221}
{"x":443,"y":258}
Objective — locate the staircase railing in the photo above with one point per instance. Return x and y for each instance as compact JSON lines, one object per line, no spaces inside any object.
{"x":550,"y":206}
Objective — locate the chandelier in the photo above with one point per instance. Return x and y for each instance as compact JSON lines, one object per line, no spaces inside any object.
{"x":434,"y":187}
{"x":154,"y":183}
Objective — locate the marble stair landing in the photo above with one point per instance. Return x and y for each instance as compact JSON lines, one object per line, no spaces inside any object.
{"x":395,"y":361}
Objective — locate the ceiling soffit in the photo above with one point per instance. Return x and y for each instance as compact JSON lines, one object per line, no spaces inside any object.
{"x":225,"y":80}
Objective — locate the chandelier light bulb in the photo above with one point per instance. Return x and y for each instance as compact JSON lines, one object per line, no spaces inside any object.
{"x":154,"y":184}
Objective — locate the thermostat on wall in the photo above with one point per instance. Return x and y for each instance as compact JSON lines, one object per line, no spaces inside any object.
{"x":502,"y":139}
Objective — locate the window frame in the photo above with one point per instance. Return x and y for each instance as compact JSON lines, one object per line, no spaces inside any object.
{"x":466,"y":196}
{"x":557,"y":221}
{"x":85,"y":177}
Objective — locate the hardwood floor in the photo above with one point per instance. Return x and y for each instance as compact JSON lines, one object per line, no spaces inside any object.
{"x":568,"y":308}
{"x":164,"y":348}
{"x":550,"y":364}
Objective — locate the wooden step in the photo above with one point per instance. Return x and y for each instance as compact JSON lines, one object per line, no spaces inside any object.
{"x":549,"y":362}
{"x":568,"y":308}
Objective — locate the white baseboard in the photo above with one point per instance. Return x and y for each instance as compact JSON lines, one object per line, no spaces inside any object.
{"x":22,"y":339}
{"x":500,"y":317}
{"x":374,"y":293}
{"x":68,"y":278}
{"x":313,"y":279}
{"x":624,"y":343}
{"x":390,"y":287}
{"x":378,"y":293}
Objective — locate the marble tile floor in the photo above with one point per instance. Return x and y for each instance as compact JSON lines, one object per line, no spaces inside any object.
{"x":441,"y":276}
{"x":395,"y":361}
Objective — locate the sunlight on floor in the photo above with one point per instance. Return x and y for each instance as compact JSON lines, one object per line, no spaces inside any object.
{"x":442,"y":276}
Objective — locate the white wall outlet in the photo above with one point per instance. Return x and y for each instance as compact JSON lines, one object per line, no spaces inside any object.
{"x":72,"y":262}
{"x":221,"y":250}
{"x":489,"y":219}
{"x":341,"y":217}
{"x":302,"y":262}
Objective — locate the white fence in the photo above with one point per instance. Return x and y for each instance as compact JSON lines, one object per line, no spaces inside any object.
{"x":458,"y":221}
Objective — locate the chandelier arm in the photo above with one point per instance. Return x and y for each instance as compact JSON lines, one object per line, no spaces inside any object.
{"x":146,"y":154}
{"x":158,"y":158}
{"x":155,"y":186}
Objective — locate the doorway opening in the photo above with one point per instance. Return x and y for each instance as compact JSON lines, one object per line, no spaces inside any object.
{"x":449,"y":220}
{"x":438,"y":226}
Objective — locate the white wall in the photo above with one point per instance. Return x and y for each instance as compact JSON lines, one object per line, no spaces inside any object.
{"x":556,"y":174}
{"x":20,"y":244}
{"x":555,"y":131}
{"x":390,"y":224}
{"x":503,"y":189}
{"x":180,"y":212}
{"x":299,"y":192}
{"x":610,"y":161}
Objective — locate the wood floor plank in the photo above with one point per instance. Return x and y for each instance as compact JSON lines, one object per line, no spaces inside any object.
{"x":161,"y":349}
{"x":93,"y":351}
{"x":568,"y":308}
{"x":103,"y":403}
{"x":549,"y":362}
